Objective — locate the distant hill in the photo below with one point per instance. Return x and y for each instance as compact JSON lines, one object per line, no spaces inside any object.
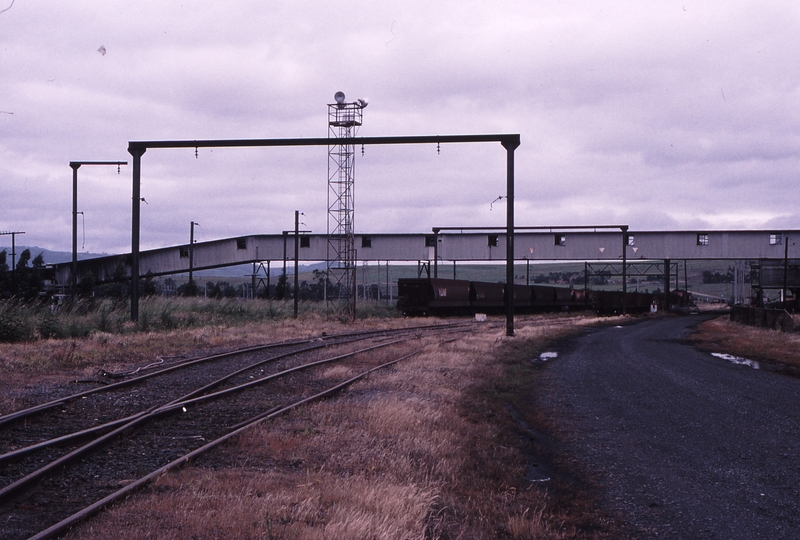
{"x":50,"y":257}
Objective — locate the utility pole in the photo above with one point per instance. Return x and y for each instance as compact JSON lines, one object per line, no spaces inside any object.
{"x":296,"y":260}
{"x":785,"y":268}
{"x":625,"y":267}
{"x":191,"y":255}
{"x":13,"y":254}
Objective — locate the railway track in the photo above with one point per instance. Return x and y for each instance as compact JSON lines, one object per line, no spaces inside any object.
{"x":137,"y":428}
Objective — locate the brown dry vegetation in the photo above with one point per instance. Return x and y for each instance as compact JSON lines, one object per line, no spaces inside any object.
{"x":723,"y":335}
{"x":60,"y":361}
{"x":425,"y":449}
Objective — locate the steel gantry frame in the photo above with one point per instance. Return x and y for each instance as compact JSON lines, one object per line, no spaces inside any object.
{"x":137,"y":149}
{"x":75,"y":165}
{"x":663,"y":269}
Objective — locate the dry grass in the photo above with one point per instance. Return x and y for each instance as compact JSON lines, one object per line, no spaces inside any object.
{"x":61,"y":361}
{"x":723,"y":335}
{"x":425,"y":449}
{"x":106,"y":349}
{"x":233,"y":504}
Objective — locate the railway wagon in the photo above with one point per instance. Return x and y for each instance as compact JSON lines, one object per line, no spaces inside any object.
{"x":639,"y":302}
{"x":549,"y":298}
{"x":423,"y":296}
{"x":487,"y":296}
{"x":610,"y":302}
{"x":605,"y":302}
{"x":523,"y":297}
{"x":543,"y":297}
{"x":579,"y":297}
{"x":565,"y":300}
{"x":448,"y":296}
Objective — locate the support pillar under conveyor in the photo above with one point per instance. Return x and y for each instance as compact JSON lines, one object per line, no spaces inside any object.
{"x":260,"y":278}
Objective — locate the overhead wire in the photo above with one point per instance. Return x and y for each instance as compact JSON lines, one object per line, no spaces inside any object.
{"x":9,"y":7}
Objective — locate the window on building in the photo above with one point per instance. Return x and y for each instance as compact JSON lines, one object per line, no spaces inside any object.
{"x":366,"y":241}
{"x":775,"y":239}
{"x":430,"y":240}
{"x":184,"y":252}
{"x":561,"y":240}
{"x":702,"y":239}
{"x":494,"y":241}
{"x":305,"y":241}
{"x":241,"y":243}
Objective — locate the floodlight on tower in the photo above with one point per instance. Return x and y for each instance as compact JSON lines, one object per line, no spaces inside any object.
{"x":339,"y":97}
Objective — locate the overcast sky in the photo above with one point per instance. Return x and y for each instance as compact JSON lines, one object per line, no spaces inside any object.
{"x":660,"y":115}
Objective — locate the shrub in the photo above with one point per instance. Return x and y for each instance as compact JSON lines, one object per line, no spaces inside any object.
{"x":50,"y":327}
{"x":15,"y":327}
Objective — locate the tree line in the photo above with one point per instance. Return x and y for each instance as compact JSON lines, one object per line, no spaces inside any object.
{"x":25,"y":280}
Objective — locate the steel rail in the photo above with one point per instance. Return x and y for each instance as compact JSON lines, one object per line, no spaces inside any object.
{"x":98,"y":430}
{"x":14,"y":454}
{"x":25,"y":413}
{"x":26,"y":481}
{"x":94,"y":508}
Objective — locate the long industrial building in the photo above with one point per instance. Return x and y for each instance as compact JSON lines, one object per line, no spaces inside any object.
{"x":458,"y":245}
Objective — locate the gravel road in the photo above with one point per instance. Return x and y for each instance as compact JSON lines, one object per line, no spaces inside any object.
{"x":680,"y":443}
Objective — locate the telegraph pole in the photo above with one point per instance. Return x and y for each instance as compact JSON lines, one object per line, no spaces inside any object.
{"x":191,"y":255}
{"x":13,"y":254}
{"x":625,"y":267}
{"x":785,"y":268}
{"x":296,"y":260}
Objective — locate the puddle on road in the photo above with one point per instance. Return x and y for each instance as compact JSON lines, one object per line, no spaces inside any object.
{"x":536,"y":472}
{"x":737,"y":360}
{"x":545,"y":356}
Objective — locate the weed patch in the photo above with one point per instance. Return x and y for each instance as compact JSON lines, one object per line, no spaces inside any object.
{"x":15,"y":327}
{"x":725,"y":336}
{"x":20,"y":322}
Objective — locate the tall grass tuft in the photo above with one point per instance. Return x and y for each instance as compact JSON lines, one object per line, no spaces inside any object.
{"x":20,"y":322}
{"x":16,"y":323}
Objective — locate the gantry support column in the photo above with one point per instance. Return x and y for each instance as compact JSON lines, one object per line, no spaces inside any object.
{"x":510,"y":145}
{"x":136,"y":204}
{"x":75,"y":166}
{"x":667,"y":279}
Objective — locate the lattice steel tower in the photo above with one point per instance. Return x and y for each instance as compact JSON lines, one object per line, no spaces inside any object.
{"x":344,"y":119}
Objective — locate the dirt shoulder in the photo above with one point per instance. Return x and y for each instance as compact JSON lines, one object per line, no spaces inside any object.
{"x":722,"y":335}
